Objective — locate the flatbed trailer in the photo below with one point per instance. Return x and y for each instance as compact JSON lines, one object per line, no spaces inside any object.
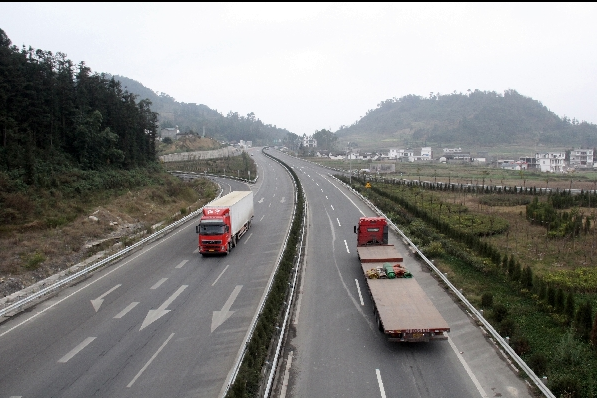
{"x":403,"y":311}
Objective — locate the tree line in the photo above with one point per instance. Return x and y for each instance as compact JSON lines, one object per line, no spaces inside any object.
{"x":55,"y":116}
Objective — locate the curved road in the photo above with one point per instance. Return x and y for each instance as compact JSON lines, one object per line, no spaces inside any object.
{"x":335,"y":349}
{"x":163,"y":322}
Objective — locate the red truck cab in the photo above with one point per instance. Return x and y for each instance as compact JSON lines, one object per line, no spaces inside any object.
{"x":214,"y":231}
{"x":371,"y":231}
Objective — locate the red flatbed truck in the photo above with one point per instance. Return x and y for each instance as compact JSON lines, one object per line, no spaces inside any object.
{"x":403,"y":311}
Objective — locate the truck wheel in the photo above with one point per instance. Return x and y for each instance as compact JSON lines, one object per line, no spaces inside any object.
{"x":228,"y":249}
{"x":379,"y":324}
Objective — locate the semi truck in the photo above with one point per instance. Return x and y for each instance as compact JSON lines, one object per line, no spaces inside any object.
{"x":403,"y":312}
{"x":224,"y":221}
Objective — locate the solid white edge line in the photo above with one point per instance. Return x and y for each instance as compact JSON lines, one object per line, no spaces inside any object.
{"x":467,"y":368}
{"x":143,"y":251}
{"x":159,"y":283}
{"x":76,"y":350}
{"x":381,"y":389}
{"x":359,"y":290}
{"x":150,"y":361}
{"x":221,"y":273}
{"x":126,"y":310}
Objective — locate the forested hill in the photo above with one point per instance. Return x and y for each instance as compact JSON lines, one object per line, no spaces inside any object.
{"x":56,"y":117}
{"x":477,"y":118}
{"x":194,"y":118}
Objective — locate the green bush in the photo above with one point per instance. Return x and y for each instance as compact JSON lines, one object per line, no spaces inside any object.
{"x":500,"y":312}
{"x":487,"y":300}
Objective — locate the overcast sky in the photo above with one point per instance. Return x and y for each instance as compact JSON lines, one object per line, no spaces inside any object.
{"x":305,"y":67}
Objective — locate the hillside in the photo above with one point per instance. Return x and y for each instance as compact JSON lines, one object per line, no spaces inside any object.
{"x":477,"y":118}
{"x":194,"y":118}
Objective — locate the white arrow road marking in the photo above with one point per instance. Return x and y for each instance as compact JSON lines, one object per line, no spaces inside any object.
{"x":97,"y":303}
{"x":219,"y":317}
{"x":381,"y":389}
{"x":150,"y":361}
{"x":260,"y":200}
{"x":154,"y":315}
{"x":346,"y":244}
{"x":338,"y":222}
{"x":182,"y":263}
{"x":159,"y":283}
{"x":359,"y":290}
{"x":76,"y":350}
{"x":283,"y":199}
{"x":126,"y":310}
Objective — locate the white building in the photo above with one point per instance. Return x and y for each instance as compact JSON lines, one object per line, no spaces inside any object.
{"x":400,"y":153}
{"x":551,"y":162}
{"x":309,"y":142}
{"x":581,"y":158}
{"x":452,"y":150}
{"x":427,"y":153}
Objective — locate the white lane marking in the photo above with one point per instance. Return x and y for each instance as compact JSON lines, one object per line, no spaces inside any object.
{"x":93,"y":282}
{"x":316,"y":183}
{"x":260,"y":200}
{"x":262,"y":217}
{"x":359,"y":290}
{"x":381,"y":389}
{"x":327,"y":197}
{"x":97,"y":303}
{"x":332,"y":206}
{"x":286,"y":375}
{"x":274,"y":196}
{"x":196,"y":251}
{"x":159,"y":283}
{"x":283,"y":199}
{"x":150,"y":361}
{"x":248,"y":237}
{"x":321,"y":189}
{"x":219,"y":317}
{"x":221,"y":273}
{"x":126,"y":310}
{"x":270,"y":205}
{"x":346,"y":244}
{"x":182,"y":263}
{"x":351,"y":201}
{"x":467,"y":368}
{"x":76,"y":350}
{"x":154,"y":315}
{"x":338,"y":222}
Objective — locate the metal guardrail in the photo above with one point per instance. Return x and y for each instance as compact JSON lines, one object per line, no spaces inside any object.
{"x":245,"y":343}
{"x":536,"y":380}
{"x":21,"y":303}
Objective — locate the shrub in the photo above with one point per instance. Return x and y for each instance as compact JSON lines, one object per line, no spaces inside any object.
{"x":506,"y":327}
{"x":538,"y":362}
{"x":521,"y":345}
{"x":34,"y":260}
{"x":487,"y":300}
{"x":500,"y":312}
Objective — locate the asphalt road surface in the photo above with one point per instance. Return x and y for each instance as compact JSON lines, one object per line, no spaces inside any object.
{"x":162,"y":322}
{"x":335,"y":348}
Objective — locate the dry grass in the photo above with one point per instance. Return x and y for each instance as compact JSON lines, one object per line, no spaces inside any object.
{"x":118,"y":217}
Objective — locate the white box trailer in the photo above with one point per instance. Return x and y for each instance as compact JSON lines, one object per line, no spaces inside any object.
{"x":225,"y":221}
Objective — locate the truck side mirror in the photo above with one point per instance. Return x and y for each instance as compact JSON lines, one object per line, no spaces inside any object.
{"x":355,"y":229}
{"x":197,"y":228}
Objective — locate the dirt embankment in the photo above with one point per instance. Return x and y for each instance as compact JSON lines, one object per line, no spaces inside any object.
{"x":30,"y":253}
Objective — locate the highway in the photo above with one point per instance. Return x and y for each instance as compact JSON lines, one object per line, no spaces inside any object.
{"x":162,"y":322}
{"x":334,"y":348}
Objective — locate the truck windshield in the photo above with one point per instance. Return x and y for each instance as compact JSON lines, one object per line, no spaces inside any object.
{"x":211,"y":229}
